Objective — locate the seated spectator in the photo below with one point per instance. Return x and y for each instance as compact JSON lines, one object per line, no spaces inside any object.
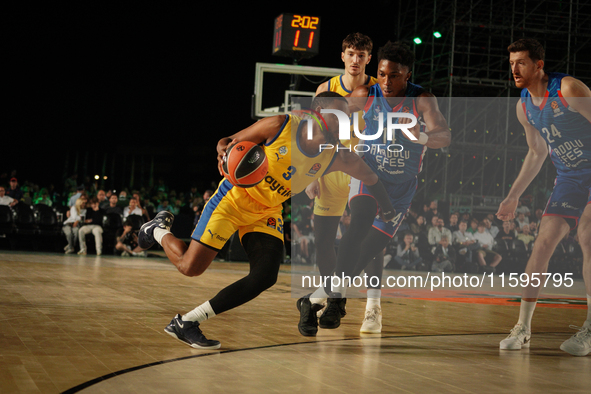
{"x":533,"y":229}
{"x":437,"y":232}
{"x":123,"y":199}
{"x":433,"y":211}
{"x":163,"y":206}
{"x":113,"y":205}
{"x":522,"y":209}
{"x":102,"y":199}
{"x":464,"y":242}
{"x":76,"y":196}
{"x":93,"y":223}
{"x":505,"y":238}
{"x":44,"y":198}
{"x":127,"y":241}
{"x":14,"y":190}
{"x":445,"y":257}
{"x":521,"y":221}
{"x":138,"y":200}
{"x":454,"y":221}
{"x":132,"y":209}
{"x":486,"y":242}
{"x":490,"y":227}
{"x":526,"y":238}
{"x":407,"y":254}
{"x":6,"y":200}
{"x":473,"y":226}
{"x":72,"y":224}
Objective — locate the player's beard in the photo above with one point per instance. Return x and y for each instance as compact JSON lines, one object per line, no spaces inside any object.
{"x":329,"y":137}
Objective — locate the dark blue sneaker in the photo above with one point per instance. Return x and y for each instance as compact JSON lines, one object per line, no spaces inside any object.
{"x":190,"y":333}
{"x":162,"y":220}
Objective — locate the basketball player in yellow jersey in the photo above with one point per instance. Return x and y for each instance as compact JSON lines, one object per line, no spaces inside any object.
{"x":255,"y":212}
{"x":331,"y":192}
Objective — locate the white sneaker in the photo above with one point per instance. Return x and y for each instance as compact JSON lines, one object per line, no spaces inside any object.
{"x":82,"y":251}
{"x":580,"y":343}
{"x":99,"y":252}
{"x":517,"y":339}
{"x":372,"y":323}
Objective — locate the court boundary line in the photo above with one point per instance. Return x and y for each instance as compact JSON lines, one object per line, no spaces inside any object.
{"x":111,"y":375}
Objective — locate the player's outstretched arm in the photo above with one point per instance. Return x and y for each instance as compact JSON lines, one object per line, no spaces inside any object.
{"x":262,"y":131}
{"x":531,"y":166}
{"x":353,"y":165}
{"x":437,"y":128}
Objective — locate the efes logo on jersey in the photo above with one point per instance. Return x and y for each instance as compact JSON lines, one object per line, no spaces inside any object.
{"x":315,"y":168}
{"x":271,"y":222}
{"x":556,"y":109}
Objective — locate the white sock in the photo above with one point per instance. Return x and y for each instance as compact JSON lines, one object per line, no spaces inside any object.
{"x":319,"y":296}
{"x":588,"y":321}
{"x":373,"y":298}
{"x":200,"y":314}
{"x":159,"y":233}
{"x":526,"y":311}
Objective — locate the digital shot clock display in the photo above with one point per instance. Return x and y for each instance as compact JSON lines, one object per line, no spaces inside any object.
{"x":296,"y":36}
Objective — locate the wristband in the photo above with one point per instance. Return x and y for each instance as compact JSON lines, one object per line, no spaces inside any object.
{"x":423,"y":138}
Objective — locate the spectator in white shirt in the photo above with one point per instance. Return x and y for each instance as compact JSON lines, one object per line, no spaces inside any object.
{"x":486,"y":242}
{"x":132,"y":209}
{"x":6,"y":200}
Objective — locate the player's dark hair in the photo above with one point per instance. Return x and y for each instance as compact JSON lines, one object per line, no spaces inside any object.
{"x":533,"y":47}
{"x":397,"y":52}
{"x":358,"y":41}
{"x":325,"y":99}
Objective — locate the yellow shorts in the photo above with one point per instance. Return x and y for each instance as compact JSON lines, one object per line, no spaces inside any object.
{"x":334,"y":194}
{"x":231,"y":208}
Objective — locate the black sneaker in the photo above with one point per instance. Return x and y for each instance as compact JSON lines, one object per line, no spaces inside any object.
{"x":331,"y":318}
{"x":190,"y":333}
{"x":308,"y":324}
{"x":342,"y":309}
{"x":162,"y":220}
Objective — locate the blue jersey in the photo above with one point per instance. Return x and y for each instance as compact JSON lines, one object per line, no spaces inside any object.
{"x":567,"y":132}
{"x":392,"y":164}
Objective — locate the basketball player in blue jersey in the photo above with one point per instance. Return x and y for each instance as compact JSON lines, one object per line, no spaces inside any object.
{"x":555,"y":111}
{"x":255,"y":212}
{"x":398,"y":171}
{"x":331,"y":192}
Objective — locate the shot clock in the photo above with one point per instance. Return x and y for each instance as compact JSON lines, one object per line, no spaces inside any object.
{"x":296,"y":36}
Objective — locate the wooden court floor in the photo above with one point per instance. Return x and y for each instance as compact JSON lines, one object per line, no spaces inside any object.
{"x":95,"y":325}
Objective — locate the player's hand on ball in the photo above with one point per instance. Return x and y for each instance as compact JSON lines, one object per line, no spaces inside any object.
{"x":313,"y":189}
{"x":222,"y":147}
{"x":507,"y":209}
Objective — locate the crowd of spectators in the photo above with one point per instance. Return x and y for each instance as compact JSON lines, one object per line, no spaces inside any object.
{"x":82,"y":207}
{"x":430,"y":240}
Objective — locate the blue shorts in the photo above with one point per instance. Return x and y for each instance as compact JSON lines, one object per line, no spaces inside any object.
{"x":401,"y":195}
{"x":571,"y":194}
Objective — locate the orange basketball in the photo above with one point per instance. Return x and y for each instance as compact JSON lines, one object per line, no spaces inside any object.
{"x":246,"y":164}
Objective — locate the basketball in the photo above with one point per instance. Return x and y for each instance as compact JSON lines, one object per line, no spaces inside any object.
{"x":245,"y":164}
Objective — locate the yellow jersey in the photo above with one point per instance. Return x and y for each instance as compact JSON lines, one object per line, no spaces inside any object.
{"x":335,"y":84}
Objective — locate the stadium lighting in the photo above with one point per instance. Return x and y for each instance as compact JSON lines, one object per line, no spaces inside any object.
{"x":417,"y":40}
{"x":436,"y":34}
